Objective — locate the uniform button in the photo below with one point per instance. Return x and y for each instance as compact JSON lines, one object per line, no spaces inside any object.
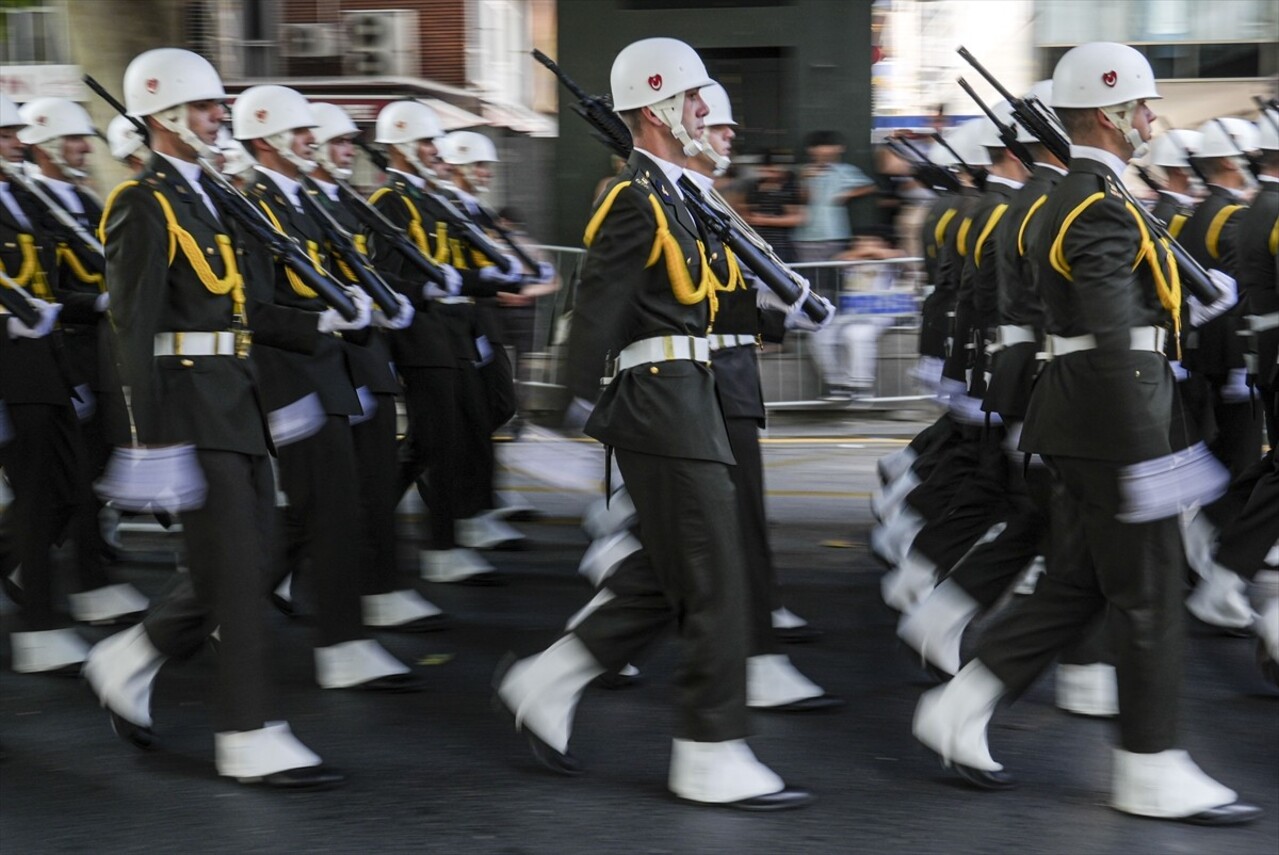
{"x":208,"y":250}
{"x":653,"y":369}
{"x":1138,"y":373}
{"x":187,"y":363}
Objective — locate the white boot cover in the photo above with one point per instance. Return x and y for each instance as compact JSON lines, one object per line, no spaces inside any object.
{"x":604,"y":555}
{"x":542,"y":691}
{"x":1167,"y":785}
{"x":107,"y":603}
{"x":121,"y":669}
{"x":952,"y":719}
{"x":772,"y":680}
{"x":452,"y":565}
{"x":599,"y":521}
{"x":46,"y":650}
{"x":906,"y":585}
{"x":888,"y":501}
{"x":600,"y":598}
{"x":893,"y":466}
{"x":1199,"y":536}
{"x":1091,"y":689}
{"x":486,"y":531}
{"x":719,"y":772}
{"x":1268,"y":628}
{"x":935,"y":628}
{"x":350,"y":663}
{"x":784,"y":618}
{"x":1221,"y":599}
{"x":249,"y":755}
{"x":396,"y":608}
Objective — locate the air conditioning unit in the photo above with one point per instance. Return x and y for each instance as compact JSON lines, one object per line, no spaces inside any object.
{"x":300,"y":41}
{"x":380,"y":43}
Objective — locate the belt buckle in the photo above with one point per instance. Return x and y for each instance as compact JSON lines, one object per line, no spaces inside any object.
{"x":243,"y":340}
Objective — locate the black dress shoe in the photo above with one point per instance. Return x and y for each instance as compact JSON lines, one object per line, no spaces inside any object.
{"x":787,"y":798}
{"x":560,"y":762}
{"x":802,"y":634}
{"x":426,"y":623}
{"x":1231,"y":814}
{"x":403,"y":683}
{"x":617,"y":680}
{"x":821,"y":702}
{"x":303,"y":778}
{"x":985,"y":780}
{"x":141,"y":738}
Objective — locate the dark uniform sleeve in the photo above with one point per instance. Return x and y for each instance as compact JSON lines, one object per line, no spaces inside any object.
{"x":1100,"y":247}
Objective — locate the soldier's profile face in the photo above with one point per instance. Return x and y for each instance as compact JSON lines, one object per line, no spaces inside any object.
{"x":720,"y":139}
{"x":695,"y":110}
{"x":342,"y":152}
{"x":204,"y":118}
{"x":428,"y":153}
{"x":1143,"y":120}
{"x":11,"y":148}
{"x":303,"y":143}
{"x":75,"y":150}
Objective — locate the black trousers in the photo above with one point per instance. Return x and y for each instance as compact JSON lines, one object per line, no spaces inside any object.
{"x":1095,"y":561}
{"x":1237,"y":443}
{"x":318,"y":475}
{"x":761,"y":573}
{"x":431,"y":447}
{"x":375,"y":456}
{"x":91,"y":547}
{"x":229,"y":545}
{"x":1249,"y":533}
{"x":43,"y":460}
{"x":690,"y":570}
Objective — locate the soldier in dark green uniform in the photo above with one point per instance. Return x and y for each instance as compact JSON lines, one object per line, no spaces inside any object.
{"x":185,"y":293}
{"x":646,"y":301}
{"x":1100,"y":415}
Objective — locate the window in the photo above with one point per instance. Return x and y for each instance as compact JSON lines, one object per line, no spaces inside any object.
{"x":34,"y":35}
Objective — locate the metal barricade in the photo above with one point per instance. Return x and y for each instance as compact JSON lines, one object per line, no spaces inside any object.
{"x":862,"y":360}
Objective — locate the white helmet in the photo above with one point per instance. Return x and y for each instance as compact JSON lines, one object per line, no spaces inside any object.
{"x":656,"y":73}
{"x":9,"y":116}
{"x":462,"y":148}
{"x":50,"y":118}
{"x":166,"y":77}
{"x":721,"y":111}
{"x":273,"y":113}
{"x":1102,"y":74}
{"x":1227,"y":137}
{"x":402,"y":124}
{"x":124,"y":140}
{"x":1269,"y":125}
{"x":989,"y":134}
{"x":1174,"y":148}
{"x":407,"y":122}
{"x":159,"y":81}
{"x":964,"y":139}
{"x":332,"y":123}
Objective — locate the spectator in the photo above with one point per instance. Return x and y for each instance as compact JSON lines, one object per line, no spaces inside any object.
{"x":829,"y":185}
{"x":774,"y":206}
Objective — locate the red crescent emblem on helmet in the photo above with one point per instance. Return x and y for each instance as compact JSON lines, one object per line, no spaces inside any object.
{"x":261,"y":115}
{"x":401,"y":125}
{"x":1109,"y":78}
{"x":655,"y":82}
{"x":42,"y":120}
{"x":152,"y":85}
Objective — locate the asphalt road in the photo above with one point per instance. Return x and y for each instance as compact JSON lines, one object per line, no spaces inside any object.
{"x":441,"y":772}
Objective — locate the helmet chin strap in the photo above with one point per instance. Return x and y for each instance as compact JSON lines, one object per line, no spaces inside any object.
{"x":322,"y":158}
{"x":283,"y":145}
{"x":468,"y":172}
{"x":172,"y":120}
{"x":53,"y":150}
{"x":671,"y":112}
{"x":1121,"y":116}
{"x":409,"y":150}
{"x":719,"y":161}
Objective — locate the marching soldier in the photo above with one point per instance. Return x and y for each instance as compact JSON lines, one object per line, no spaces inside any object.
{"x":1258,"y":243}
{"x":310,"y":397}
{"x":58,"y":135}
{"x":388,"y":604}
{"x":183,"y":287}
{"x":1102,"y":407}
{"x":646,"y":299}
{"x":1171,"y":152}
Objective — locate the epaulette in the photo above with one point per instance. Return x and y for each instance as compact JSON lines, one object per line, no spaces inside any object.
{"x":1112,"y":188}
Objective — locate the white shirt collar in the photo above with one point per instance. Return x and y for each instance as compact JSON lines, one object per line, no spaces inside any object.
{"x":289,"y":186}
{"x":670,"y":170}
{"x":1238,"y":194}
{"x":416,"y":180}
{"x":6,"y":196}
{"x":1273,"y":179}
{"x":1007,"y":182}
{"x":65,"y":191}
{"x":189,"y":171}
{"x":330,"y":190}
{"x":1054,"y":167}
{"x":1181,"y":198}
{"x":1110,"y":160}
{"x":705,"y":182}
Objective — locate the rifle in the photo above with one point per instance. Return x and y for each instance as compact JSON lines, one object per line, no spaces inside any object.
{"x":342,"y":244}
{"x":924,"y":170}
{"x":1007,"y":134}
{"x":1036,"y":119}
{"x":441,"y":208}
{"x":86,"y":247}
{"x":376,"y":222}
{"x":236,"y":205}
{"x":1148,"y":179}
{"x":977,"y":175}
{"x":17,"y":302}
{"x":752,"y":250}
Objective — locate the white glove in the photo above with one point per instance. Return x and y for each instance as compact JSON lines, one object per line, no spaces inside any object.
{"x":767,"y":298}
{"x":402,"y":318}
{"x":798,"y":319}
{"x":545,"y":272}
{"x":48,"y":317}
{"x":1236,"y":390}
{"x":101,"y":302}
{"x":452,"y":281}
{"x":1229,"y":291}
{"x":332,"y":321}
{"x":1178,"y":370}
{"x":493,"y":274}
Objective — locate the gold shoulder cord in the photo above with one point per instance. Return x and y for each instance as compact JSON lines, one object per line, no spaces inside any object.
{"x":312,"y":250}
{"x":1021,"y":232}
{"x":665,"y":246}
{"x":995,"y":216}
{"x":68,"y":257}
{"x":961,"y":240}
{"x":30,"y":273}
{"x":1274,"y":239}
{"x":1174,"y":227}
{"x":1212,"y":240}
{"x":939,"y":231}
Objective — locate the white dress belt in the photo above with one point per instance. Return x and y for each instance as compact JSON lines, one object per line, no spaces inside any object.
{"x":664,"y":349}
{"x":221,"y":343}
{"x":1007,"y":335}
{"x":454,"y":301}
{"x":723,"y":342}
{"x":1262,"y":323}
{"x":1140,"y":338}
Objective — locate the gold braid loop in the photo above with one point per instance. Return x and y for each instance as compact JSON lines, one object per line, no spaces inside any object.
{"x":232,"y":283}
{"x":67,"y":256}
{"x":30,"y":272}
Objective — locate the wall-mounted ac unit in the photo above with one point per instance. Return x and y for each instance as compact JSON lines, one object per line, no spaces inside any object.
{"x":380,"y":43}
{"x":301,"y":41}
